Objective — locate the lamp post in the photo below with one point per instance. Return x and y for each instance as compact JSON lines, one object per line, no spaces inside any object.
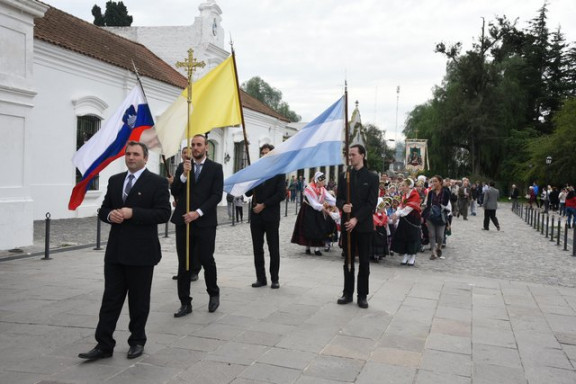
{"x":384,"y":155}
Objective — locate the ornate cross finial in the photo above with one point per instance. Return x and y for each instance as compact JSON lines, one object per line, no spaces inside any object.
{"x":190,"y":64}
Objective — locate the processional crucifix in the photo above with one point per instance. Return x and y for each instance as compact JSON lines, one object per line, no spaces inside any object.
{"x":190,"y":64}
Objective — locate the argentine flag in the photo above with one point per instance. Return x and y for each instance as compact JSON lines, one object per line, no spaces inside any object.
{"x":319,"y":143}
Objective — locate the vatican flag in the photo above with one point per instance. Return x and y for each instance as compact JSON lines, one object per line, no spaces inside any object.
{"x":215,"y":104}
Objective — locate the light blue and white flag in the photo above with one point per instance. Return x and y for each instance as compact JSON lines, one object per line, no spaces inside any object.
{"x":319,"y":143}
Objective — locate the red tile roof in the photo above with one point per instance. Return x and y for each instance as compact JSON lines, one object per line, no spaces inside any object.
{"x":69,"y":32}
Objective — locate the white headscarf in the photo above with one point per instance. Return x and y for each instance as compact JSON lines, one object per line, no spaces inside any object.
{"x":317,"y":175}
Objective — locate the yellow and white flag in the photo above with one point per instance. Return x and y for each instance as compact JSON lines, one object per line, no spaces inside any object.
{"x":215,"y":104}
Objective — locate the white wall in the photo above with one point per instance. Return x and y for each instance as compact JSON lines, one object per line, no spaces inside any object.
{"x":63,"y":77}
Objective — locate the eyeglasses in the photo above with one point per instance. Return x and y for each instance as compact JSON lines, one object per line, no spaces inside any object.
{"x":321,"y":178}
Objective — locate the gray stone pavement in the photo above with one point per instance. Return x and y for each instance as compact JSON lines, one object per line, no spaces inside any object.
{"x":501,"y":308}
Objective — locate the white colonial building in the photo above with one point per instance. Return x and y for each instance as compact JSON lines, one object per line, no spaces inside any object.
{"x":59,"y":78}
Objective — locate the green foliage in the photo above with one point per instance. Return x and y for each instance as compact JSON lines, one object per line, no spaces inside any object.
{"x":261,"y":90}
{"x":116,"y":15}
{"x":379,"y":155}
{"x":498,"y":103}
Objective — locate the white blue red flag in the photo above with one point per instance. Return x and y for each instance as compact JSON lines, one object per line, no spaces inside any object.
{"x":129,"y":121}
{"x":319,"y":143}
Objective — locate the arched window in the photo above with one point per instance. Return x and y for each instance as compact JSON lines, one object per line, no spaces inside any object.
{"x":211,"y":150}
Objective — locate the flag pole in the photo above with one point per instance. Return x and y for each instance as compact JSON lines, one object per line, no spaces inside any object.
{"x":166,"y":168}
{"x":189,"y":64}
{"x":346,"y":150}
{"x":246,"y":143}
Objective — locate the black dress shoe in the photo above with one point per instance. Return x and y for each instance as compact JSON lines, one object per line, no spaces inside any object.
{"x":214,"y":303}
{"x":184,"y":310}
{"x":344,"y":299}
{"x":308,"y":252}
{"x":175,"y":277}
{"x":95,"y":354}
{"x":362,"y":302}
{"x":135,"y":351}
{"x":259,"y":284}
{"x":275,"y":285}
{"x":193,"y":277}
{"x":318,"y":253}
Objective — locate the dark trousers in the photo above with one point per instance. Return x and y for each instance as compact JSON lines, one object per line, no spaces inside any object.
{"x":202,"y":242}
{"x":119,"y":281}
{"x":361,"y":245}
{"x":490,"y":214}
{"x":239,"y":213}
{"x":259,"y":228}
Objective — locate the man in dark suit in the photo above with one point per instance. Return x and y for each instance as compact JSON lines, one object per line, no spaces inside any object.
{"x":135,"y":203}
{"x":363,"y":199}
{"x":265,"y":220}
{"x":206,"y":185}
{"x":491,"y":197}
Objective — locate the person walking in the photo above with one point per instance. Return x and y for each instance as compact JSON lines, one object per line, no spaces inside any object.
{"x":206,"y":180}
{"x":490,"y":205}
{"x":357,"y":223}
{"x":514,"y":195}
{"x":136,"y":202}
{"x":407,"y":237}
{"x":265,"y":221}
{"x":239,"y":207}
{"x":436,"y":216}
{"x":311,"y":226}
{"x":464,"y":198}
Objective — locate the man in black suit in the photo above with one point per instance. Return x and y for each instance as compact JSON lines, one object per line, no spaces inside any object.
{"x":363,"y":199}
{"x":206,"y":185}
{"x":135,"y":203}
{"x":265,"y":220}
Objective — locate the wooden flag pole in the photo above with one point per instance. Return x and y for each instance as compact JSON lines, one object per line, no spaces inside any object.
{"x":246,"y":143}
{"x":349,"y":260}
{"x":189,"y":64}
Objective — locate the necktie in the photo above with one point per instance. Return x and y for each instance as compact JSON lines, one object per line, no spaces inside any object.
{"x":128,"y":187}
{"x":197,"y":169}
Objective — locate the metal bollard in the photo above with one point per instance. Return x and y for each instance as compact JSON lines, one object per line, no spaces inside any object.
{"x":574,"y":241}
{"x":47,"y":239}
{"x":566,"y":236}
{"x":166,"y":229}
{"x":552,"y":230}
{"x":286,"y":209}
{"x":547,"y":224}
{"x":537,"y":226}
{"x":233,"y":216}
{"x":98,"y":231}
{"x":558,"y":233}
{"x":542,"y":225}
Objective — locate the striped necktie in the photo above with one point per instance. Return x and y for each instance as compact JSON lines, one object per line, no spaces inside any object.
{"x":128,"y":187}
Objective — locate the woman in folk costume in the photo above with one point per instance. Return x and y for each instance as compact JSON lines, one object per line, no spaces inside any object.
{"x":406,"y":240}
{"x":380,"y":239}
{"x":311,"y":225}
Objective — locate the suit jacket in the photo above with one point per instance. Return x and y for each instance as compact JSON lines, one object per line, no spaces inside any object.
{"x":491,"y":198}
{"x":364,"y":197}
{"x":205,"y":194}
{"x":271,"y":193}
{"x":135,"y":241}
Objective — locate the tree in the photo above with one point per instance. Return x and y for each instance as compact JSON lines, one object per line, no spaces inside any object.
{"x":261,"y":90}
{"x":116,"y":15}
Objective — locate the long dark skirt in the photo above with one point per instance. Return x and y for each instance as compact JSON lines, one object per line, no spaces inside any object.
{"x":380,"y":243}
{"x":310,"y":228}
{"x":407,"y":236}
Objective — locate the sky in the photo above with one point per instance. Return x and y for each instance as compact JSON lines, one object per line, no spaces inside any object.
{"x":308,"y":49}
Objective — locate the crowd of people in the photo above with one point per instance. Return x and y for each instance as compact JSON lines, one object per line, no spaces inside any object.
{"x":368,"y":216}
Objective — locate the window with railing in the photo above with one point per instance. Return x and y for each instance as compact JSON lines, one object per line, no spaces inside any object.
{"x":86,"y":127}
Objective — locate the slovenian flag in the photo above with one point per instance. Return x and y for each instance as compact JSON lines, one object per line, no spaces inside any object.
{"x":129,"y":121}
{"x":319,"y":143}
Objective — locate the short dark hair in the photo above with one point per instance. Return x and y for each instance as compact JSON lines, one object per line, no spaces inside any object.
{"x":132,"y":143}
{"x":492,"y":184}
{"x":270,"y":147}
{"x":362,"y":151}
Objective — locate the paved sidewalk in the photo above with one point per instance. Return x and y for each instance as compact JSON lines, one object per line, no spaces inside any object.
{"x":500,"y":309}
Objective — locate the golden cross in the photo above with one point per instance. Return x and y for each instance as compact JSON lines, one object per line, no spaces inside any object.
{"x":190,"y":64}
